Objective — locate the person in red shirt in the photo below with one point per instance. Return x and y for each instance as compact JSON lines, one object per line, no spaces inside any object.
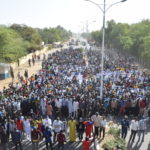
{"x":61,"y":139}
{"x":88,"y":127}
{"x":86,"y":144}
{"x":19,"y":125}
{"x":142,"y":104}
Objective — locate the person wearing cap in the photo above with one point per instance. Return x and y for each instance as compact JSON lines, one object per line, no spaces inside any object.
{"x":80,"y":128}
{"x":124,"y":127}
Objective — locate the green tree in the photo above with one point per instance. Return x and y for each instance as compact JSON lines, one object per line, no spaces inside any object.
{"x":128,"y":39}
{"x":50,"y":35}
{"x":30,"y":35}
{"x":11,"y":45}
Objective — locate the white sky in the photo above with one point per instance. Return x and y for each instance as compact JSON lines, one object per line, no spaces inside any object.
{"x":71,"y":14}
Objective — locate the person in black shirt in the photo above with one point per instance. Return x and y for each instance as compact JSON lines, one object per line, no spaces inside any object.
{"x":3,"y":138}
{"x":16,"y":138}
{"x":124,"y":127}
{"x":80,"y":129}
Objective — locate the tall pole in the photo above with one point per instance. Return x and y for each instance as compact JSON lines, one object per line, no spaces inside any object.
{"x":104,"y":10}
{"x":103,"y":51}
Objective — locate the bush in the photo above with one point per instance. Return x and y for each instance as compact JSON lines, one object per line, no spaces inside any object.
{"x":113,"y":143}
{"x":114,"y":131}
{"x":50,"y":46}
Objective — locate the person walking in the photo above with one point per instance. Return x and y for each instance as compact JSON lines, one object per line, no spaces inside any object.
{"x":57,"y":127}
{"x":7,"y":128}
{"x":124,"y":127}
{"x":134,"y":129}
{"x":96,"y":120}
{"x":36,"y":136}
{"x":47,"y":134}
{"x":4,"y":139}
{"x":12,"y":73}
{"x":61,"y":139}
{"x":27,"y":128}
{"x":86,"y":144}
{"x":142,"y":128}
{"x":19,"y":125}
{"x":26,"y":74}
{"x":72,"y":130}
{"x":80,"y":128}
{"x":16,"y":138}
{"x":29,"y":62}
{"x":33,"y":61}
{"x":103,"y":124}
{"x":88,"y":127}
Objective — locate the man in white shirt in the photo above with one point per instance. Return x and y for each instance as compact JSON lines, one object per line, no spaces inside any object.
{"x":103,"y":123}
{"x":47,"y":122}
{"x":75,"y":108}
{"x":96,"y":120}
{"x":142,"y":127}
{"x":57,"y":127}
{"x":134,"y":129}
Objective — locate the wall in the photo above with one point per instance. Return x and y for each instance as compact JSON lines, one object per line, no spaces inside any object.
{"x":25,"y":59}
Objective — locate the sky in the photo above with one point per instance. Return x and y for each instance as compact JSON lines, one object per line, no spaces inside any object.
{"x":73,"y":15}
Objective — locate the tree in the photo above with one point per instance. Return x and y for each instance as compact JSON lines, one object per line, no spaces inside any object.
{"x":30,"y":35}
{"x":128,"y":39}
{"x":97,"y":37}
{"x":50,"y":35}
{"x":11,"y":45}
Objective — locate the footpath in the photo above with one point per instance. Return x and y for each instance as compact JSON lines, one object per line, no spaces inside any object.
{"x":31,"y":70}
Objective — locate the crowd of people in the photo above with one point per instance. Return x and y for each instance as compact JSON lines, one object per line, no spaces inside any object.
{"x":63,"y":99}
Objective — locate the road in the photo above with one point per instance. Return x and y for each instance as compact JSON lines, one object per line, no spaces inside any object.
{"x":137,"y":145}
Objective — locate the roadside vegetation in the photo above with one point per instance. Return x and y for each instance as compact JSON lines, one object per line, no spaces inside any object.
{"x":19,"y":40}
{"x":133,"y":40}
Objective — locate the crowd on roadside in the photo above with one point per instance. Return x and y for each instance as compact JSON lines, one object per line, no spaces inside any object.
{"x":63,"y":99}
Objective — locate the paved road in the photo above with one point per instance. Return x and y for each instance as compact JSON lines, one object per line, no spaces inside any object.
{"x":137,"y":145}
{"x":31,"y":70}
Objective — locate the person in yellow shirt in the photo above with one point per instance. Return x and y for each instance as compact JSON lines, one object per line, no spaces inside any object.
{"x":72,"y":130}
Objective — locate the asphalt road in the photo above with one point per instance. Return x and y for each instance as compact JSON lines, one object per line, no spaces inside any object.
{"x":137,"y":145}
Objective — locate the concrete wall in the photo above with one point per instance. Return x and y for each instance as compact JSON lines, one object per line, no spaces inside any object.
{"x":25,"y":59}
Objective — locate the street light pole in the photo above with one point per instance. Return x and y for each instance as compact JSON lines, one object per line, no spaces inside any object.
{"x":87,"y":25}
{"x":104,"y":10}
{"x":103,"y":50}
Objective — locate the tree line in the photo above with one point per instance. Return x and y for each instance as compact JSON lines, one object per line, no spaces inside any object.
{"x":128,"y":39}
{"x":19,"y":40}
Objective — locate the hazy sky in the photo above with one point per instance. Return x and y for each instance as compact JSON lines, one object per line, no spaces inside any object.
{"x":71,"y":14}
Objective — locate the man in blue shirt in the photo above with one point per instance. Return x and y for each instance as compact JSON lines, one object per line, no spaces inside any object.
{"x":124,"y":127}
